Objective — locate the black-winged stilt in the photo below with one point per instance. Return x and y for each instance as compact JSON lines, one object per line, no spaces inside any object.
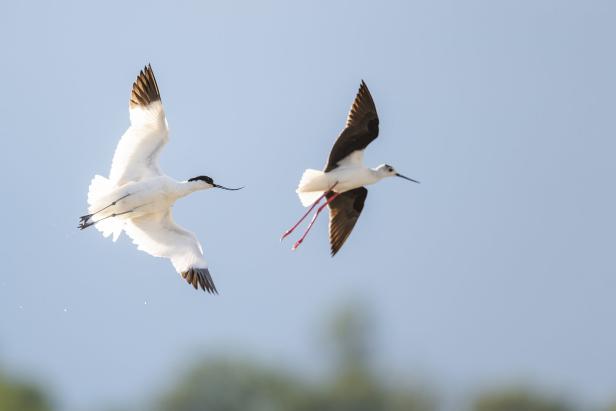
{"x":342,"y":181}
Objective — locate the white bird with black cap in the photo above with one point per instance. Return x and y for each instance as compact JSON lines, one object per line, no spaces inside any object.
{"x":342,"y":181}
{"x":137,"y":197}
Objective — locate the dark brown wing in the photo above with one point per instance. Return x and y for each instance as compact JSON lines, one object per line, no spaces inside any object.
{"x":344,"y":211}
{"x":200,"y":277}
{"x":362,"y":127}
{"x":145,"y":89}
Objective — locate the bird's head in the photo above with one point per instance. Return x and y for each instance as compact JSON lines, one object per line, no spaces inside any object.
{"x":207,"y":182}
{"x":385,"y":170}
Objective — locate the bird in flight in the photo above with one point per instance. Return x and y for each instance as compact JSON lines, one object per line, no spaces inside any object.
{"x":137,"y":197}
{"x":342,"y":181}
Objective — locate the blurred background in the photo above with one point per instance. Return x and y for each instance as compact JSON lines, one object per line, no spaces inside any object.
{"x":488,"y":287}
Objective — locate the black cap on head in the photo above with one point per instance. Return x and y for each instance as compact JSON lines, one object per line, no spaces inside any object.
{"x":203,"y":178}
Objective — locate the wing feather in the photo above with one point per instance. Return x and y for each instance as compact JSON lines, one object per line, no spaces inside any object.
{"x":344,"y":211}
{"x":362,"y":127}
{"x":136,"y":156}
{"x":158,"y":235}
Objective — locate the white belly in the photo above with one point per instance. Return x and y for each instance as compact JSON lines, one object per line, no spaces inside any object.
{"x":349,"y":178}
{"x":313,"y":183}
{"x":136,"y":199}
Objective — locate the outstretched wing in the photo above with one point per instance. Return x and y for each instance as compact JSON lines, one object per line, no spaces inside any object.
{"x":157,"y":234}
{"x":362,"y":127}
{"x":344,"y":210}
{"x":136,"y":156}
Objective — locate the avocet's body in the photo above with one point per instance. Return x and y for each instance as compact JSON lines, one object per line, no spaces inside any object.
{"x":137,"y":197}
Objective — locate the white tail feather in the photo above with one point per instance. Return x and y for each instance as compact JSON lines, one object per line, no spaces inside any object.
{"x":100,"y":188}
{"x":309,"y":197}
{"x":110,"y":226}
{"x":310,"y":187}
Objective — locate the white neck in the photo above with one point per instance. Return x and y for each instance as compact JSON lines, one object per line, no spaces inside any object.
{"x":185,"y":188}
{"x":376,"y":175}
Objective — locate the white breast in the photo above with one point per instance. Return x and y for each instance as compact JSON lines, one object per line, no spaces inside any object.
{"x":349,"y":178}
{"x":144,"y":197}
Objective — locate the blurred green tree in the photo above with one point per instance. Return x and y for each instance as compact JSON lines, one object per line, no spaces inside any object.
{"x":354,"y":384}
{"x":21,"y":396}
{"x":226,"y":385}
{"x":519,"y":399}
{"x":231,"y":385}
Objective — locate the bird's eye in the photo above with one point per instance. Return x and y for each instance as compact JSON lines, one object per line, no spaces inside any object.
{"x":391,"y":169}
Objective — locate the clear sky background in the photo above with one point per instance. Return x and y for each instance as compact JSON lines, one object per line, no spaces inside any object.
{"x":500,"y":266}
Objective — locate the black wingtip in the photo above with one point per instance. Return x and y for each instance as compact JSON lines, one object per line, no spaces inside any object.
{"x":336,"y":246}
{"x":200,"y":277}
{"x":145,"y":89}
{"x":363,"y":104}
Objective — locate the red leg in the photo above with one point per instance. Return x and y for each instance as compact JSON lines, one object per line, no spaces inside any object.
{"x":290,"y":230}
{"x":313,"y":220}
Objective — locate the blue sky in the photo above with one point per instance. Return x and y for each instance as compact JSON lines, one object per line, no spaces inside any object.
{"x":498,"y":267}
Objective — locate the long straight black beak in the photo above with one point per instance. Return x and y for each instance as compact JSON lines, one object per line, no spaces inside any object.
{"x":406,"y":178}
{"x":227,"y":188}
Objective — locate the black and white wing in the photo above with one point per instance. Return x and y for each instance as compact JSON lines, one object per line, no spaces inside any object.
{"x":136,"y":156}
{"x":344,"y":210}
{"x":157,"y":234}
{"x":362,"y":127}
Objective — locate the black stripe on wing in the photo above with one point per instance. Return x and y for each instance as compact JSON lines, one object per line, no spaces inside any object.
{"x":362,"y":127}
{"x":200,"y":277}
{"x":145,"y":89}
{"x":344,"y":210}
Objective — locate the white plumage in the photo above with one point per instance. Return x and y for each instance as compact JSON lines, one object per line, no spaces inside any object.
{"x":137,"y":197}
{"x":159,"y":235}
{"x":136,"y":156}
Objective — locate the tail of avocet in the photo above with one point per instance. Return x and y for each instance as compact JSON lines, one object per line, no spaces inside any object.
{"x":310,"y":187}
{"x":98,"y":193}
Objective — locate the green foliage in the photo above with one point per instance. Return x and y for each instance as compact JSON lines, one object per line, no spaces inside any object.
{"x":220,"y":385}
{"x":20,"y":396}
{"x":217,"y":385}
{"x":350,"y":333}
{"x":518,"y":400}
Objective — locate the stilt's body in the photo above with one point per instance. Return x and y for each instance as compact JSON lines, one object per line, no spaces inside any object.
{"x":315,"y":183}
{"x":344,"y":177}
